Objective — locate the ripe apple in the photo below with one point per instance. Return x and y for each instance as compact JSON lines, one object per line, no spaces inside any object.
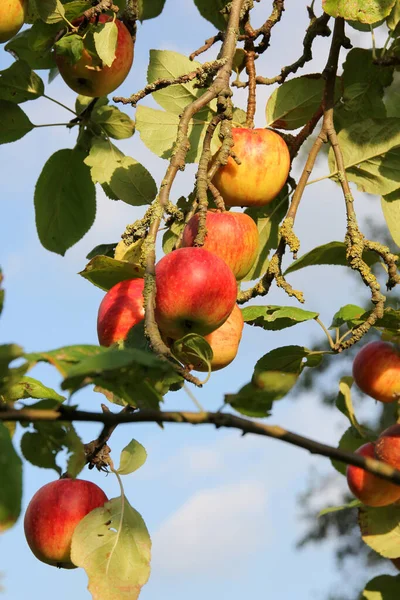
{"x":376,"y":371}
{"x":232,"y":236}
{"x":12,"y":17}
{"x":387,"y":446}
{"x":224,"y":342}
{"x":89,"y":79}
{"x":265,"y":164}
{"x":196,"y":292}
{"x":121,"y":308}
{"x":368,"y":488}
{"x":52,"y":515}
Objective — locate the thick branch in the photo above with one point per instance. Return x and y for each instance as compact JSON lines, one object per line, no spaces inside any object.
{"x":218,"y":419}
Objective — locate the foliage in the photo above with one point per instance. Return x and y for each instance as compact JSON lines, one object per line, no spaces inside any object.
{"x":355,"y":96}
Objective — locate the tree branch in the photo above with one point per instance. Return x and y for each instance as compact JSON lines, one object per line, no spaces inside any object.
{"x":218,"y":419}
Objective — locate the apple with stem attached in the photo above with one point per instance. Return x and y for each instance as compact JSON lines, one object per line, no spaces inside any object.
{"x":263,"y":170}
{"x":121,"y":309}
{"x":232,"y":236}
{"x":52,"y":515}
{"x":376,"y":371}
{"x":12,"y":17}
{"x":86,"y":76}
{"x":196,"y":292}
{"x":369,"y":488}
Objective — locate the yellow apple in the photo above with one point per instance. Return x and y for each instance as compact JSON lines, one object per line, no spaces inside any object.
{"x":12,"y":17}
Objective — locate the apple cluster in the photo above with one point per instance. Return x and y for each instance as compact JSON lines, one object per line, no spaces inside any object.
{"x":376,"y":371}
{"x":197,"y":287}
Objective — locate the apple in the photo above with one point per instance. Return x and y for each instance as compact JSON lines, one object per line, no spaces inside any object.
{"x":196,"y":292}
{"x":387,"y":446}
{"x":89,"y":79}
{"x":121,"y":308}
{"x":232,"y":236}
{"x":264,"y":168}
{"x":52,"y":515}
{"x":376,"y":371}
{"x":368,"y":488}
{"x":224,"y":342}
{"x":12,"y":17}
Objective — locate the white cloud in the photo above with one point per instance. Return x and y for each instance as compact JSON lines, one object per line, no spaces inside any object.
{"x":215,"y":528}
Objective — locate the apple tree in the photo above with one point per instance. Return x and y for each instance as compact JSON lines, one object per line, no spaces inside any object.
{"x":188,"y":279}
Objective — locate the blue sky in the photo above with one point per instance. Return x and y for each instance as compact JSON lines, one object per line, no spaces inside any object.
{"x":221,"y":509}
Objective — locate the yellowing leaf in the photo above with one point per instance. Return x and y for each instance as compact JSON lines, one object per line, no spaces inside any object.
{"x":113,"y":545}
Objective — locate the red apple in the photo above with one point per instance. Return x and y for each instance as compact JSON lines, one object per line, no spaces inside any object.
{"x":368,"y":488}
{"x":232,"y":236}
{"x":52,"y":515}
{"x":12,"y":17}
{"x":121,"y":308}
{"x":224,"y":342}
{"x":387,"y":446}
{"x":376,"y":371}
{"x":264,"y":168}
{"x":196,"y":292}
{"x":85,"y":77}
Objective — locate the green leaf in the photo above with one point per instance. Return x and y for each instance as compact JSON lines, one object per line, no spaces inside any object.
{"x":28,"y":387}
{"x":213,"y":12}
{"x":293,"y":103}
{"x":102,"y":250}
{"x":371,"y":155}
{"x":364,"y":84}
{"x":105,"y":272}
{"x":14,"y":123}
{"x":274,"y":376}
{"x":105,"y":41}
{"x":65,"y":200}
{"x":75,"y":8}
{"x":133,"y":456}
{"x":70,"y":46}
{"x":129,"y":252}
{"x":333,"y":253}
{"x":380,"y":529}
{"x":394,"y":18}
{"x":166,"y":64}
{"x":10,"y":481}
{"x":344,"y":402}
{"x":19,"y":83}
{"x":346,"y":315}
{"x":364,"y":11}
{"x":113,"y":545}
{"x":10,"y":376}
{"x":133,"y":183}
{"x":114,"y":122}
{"x":331,"y":509}
{"x":128,"y":179}
{"x":19,"y":46}
{"x":350,"y":441}
{"x":171,"y":235}
{"x":83,"y":102}
{"x":103,"y":159}
{"x":149,"y":9}
{"x":192,"y":347}
{"x":158,"y":130}
{"x":383,"y":587}
{"x":267,"y":219}
{"x":276,"y":317}
{"x":41,"y":447}
{"x":50,"y":11}
{"x":64,"y":358}
{"x":391,"y":211}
